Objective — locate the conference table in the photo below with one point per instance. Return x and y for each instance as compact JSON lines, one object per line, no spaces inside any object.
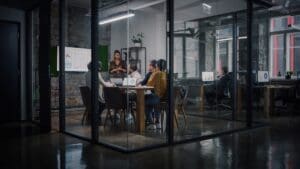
{"x":140,"y":104}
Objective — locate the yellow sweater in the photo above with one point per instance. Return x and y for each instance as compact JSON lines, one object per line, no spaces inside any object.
{"x":158,"y":80}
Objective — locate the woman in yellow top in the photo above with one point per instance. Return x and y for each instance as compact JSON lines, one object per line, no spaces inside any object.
{"x":158,"y":80}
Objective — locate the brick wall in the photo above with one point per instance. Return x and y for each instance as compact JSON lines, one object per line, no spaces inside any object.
{"x":78,"y":34}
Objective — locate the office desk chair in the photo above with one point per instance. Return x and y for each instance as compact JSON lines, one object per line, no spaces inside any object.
{"x":115,"y":100}
{"x":181,"y":94}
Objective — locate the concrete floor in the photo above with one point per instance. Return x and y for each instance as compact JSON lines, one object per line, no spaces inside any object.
{"x":129,"y":139}
{"x":276,"y":146}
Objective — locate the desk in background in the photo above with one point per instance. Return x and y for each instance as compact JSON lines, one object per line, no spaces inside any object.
{"x":269,"y":96}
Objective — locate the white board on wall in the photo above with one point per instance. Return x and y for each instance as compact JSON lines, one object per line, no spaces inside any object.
{"x":76,"y":59}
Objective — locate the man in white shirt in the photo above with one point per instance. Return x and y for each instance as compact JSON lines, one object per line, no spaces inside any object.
{"x":134,"y":73}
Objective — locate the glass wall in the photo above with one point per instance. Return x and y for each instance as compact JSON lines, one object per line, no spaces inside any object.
{"x":133,"y":74}
{"x":209,"y":72}
{"x":275,"y":53}
{"x":77,"y":68}
{"x":209,"y":52}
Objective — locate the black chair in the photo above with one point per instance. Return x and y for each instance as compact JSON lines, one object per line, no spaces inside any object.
{"x":114,"y":100}
{"x":86,"y":99}
{"x":222,"y":92}
{"x":181,"y":94}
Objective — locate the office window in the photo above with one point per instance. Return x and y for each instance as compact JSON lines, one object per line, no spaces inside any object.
{"x":293,"y":52}
{"x":192,"y":57}
{"x":277,"y":55}
{"x":284,"y":45}
{"x":224,"y":49}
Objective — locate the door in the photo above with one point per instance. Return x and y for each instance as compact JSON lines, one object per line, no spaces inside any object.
{"x":9,"y":72}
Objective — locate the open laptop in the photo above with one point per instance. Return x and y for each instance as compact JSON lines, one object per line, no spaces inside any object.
{"x":117,"y":81}
{"x":129,"y":82}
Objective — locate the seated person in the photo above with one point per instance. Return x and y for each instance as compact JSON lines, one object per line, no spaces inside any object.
{"x":151,"y":68}
{"x":158,"y":80}
{"x":117,"y":67}
{"x":134,"y":73}
{"x":102,"y":83}
{"x":218,"y":89}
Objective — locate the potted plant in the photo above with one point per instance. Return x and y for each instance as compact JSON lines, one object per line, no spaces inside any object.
{"x":137,"y":40}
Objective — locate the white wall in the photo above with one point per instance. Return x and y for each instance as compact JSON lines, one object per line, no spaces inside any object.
{"x":152,"y":22}
{"x":9,"y":14}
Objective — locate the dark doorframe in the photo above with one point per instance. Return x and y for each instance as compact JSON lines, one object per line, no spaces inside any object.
{"x":17,"y":116}
{"x":44,"y":64}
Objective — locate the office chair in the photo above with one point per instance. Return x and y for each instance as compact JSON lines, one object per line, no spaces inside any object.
{"x":181,"y":94}
{"x":115,"y":100}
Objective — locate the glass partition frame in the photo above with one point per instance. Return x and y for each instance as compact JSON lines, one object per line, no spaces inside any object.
{"x":170,"y":59}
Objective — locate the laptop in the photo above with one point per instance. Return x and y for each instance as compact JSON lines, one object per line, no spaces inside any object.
{"x":129,"y":82}
{"x":117,"y":81}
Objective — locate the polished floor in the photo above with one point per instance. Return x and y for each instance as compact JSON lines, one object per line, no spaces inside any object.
{"x":275,"y":146}
{"x":128,"y":139}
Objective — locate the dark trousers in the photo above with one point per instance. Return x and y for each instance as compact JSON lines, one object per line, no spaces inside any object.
{"x":151,"y":101}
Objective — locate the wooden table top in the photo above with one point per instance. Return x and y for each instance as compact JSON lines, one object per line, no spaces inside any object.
{"x":137,"y":87}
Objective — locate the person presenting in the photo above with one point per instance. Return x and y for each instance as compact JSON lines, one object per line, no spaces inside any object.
{"x":102,"y":84}
{"x":157,"y":80}
{"x":117,"y":66}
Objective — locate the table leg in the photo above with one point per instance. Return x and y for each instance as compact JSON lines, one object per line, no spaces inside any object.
{"x":268,"y":102}
{"x":202,"y":98}
{"x":140,"y":111}
{"x":239,"y":100}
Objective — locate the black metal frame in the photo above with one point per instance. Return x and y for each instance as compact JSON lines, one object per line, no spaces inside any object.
{"x":44,"y":62}
{"x":62,"y":109}
{"x":249,"y":114}
{"x":95,"y":65}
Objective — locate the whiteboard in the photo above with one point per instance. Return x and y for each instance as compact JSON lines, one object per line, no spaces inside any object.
{"x":76,"y":59}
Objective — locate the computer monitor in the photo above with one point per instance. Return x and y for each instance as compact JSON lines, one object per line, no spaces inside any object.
{"x":263,"y":76}
{"x":207,"y":76}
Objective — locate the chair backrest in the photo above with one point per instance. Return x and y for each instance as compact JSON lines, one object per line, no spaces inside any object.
{"x":114,"y":98}
{"x":86,"y":97}
{"x":224,"y":85}
{"x":181,"y":94}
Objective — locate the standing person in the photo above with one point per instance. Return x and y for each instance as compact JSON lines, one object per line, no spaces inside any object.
{"x":157,"y":80}
{"x":102,"y":83}
{"x":117,"y":67}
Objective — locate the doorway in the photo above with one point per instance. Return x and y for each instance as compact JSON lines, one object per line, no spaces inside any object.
{"x":9,"y":72}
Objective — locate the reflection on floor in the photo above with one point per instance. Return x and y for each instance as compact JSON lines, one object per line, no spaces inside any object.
{"x":272,"y":147}
{"x":127,"y":138}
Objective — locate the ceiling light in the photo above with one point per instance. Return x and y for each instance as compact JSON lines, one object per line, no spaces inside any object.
{"x":116,"y":18}
{"x":205,"y":5}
